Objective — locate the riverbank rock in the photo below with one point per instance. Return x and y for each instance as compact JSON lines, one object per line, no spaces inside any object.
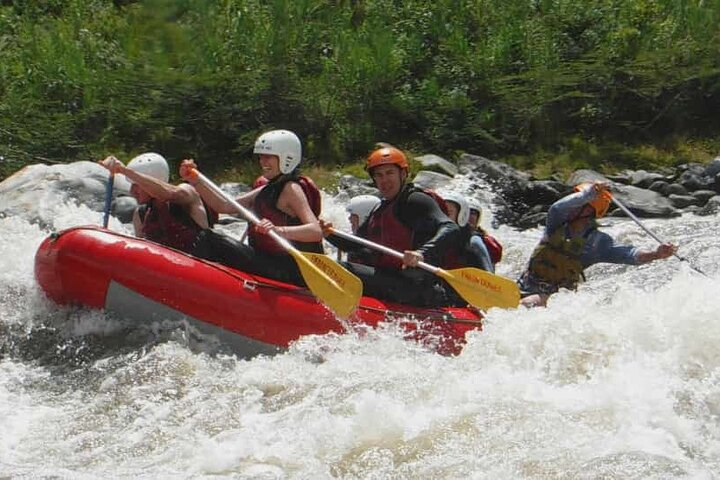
{"x":81,"y":182}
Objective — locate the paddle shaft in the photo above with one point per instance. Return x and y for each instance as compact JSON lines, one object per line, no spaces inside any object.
{"x":383,"y":248}
{"x":650,"y":232}
{"x":479,"y":288}
{"x":108,"y":199}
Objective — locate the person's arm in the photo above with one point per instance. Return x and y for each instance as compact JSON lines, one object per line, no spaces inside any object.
{"x":138,"y":224}
{"x":184,"y":195}
{"x":423,"y":214}
{"x":602,"y":248}
{"x":214,"y":200}
{"x":662,"y":251}
{"x":564,"y":209}
{"x":158,"y":189}
{"x":293,"y":201}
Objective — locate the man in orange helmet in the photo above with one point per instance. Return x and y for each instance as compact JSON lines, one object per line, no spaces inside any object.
{"x":572,"y":242}
{"x":408,"y":220}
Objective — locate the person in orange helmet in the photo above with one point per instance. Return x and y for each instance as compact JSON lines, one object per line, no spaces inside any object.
{"x":408,"y":220}
{"x":572,"y":242}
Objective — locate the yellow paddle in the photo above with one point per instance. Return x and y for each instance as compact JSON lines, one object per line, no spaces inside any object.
{"x":479,"y":288}
{"x":337,"y":288}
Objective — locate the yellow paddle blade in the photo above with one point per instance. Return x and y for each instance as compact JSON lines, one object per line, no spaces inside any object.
{"x":337,"y":288}
{"x":482,"y":289}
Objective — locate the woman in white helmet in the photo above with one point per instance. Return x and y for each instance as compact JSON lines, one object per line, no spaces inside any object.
{"x":173,"y":215}
{"x":470,"y":249}
{"x":287,"y":204}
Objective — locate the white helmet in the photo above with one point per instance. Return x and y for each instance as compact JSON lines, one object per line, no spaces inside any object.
{"x":283,"y":143}
{"x":463,"y":210}
{"x":152,"y":165}
{"x":362,"y":206}
{"x":474,"y":205}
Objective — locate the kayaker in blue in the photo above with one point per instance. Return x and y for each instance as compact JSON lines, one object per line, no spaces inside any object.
{"x":572,"y":242}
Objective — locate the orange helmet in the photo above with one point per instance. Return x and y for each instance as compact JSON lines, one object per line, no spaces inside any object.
{"x":386,"y":156}
{"x":601,"y":203}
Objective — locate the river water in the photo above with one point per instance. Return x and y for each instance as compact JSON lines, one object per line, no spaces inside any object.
{"x":620,"y":380}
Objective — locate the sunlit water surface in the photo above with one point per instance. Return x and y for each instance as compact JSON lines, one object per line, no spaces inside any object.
{"x":618,"y":380}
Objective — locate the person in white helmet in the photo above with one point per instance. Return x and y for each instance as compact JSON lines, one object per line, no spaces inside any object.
{"x":360,"y":208}
{"x":491,"y":244}
{"x":287,"y":204}
{"x":173,"y":215}
{"x":470,"y":249}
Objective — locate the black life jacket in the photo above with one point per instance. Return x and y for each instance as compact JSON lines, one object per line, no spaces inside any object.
{"x":265,"y":206}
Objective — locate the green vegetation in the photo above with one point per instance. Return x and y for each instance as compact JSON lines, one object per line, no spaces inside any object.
{"x":548,"y":85}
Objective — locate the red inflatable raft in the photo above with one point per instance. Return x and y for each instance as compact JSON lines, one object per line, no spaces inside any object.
{"x":144,"y":281}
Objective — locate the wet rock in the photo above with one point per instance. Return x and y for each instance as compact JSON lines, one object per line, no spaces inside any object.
{"x":703,"y":196}
{"x":436,"y":163}
{"x":643,"y":179}
{"x":660,"y":186}
{"x":123,"y":208}
{"x":532,"y":220}
{"x":545,"y":192}
{"x":712,"y":168}
{"x":711,"y":207}
{"x":692,"y":181}
{"x":675,"y":189}
{"x":682,"y":201}
{"x":643,"y":203}
{"x":585,"y":175}
{"x":432,"y":180}
{"x":354,"y":186}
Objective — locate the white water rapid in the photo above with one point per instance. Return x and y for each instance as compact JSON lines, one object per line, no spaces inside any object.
{"x":620,"y":380}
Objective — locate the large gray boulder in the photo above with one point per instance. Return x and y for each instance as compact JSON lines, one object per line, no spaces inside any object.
{"x":80,"y":182}
{"x":436,"y":163}
{"x":432,"y":180}
{"x":643,"y":203}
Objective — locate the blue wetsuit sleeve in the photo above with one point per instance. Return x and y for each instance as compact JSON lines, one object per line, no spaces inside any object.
{"x":602,"y":248}
{"x":567,"y":207}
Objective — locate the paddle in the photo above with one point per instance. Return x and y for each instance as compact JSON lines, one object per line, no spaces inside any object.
{"x":108,"y":198}
{"x":479,"y":288}
{"x":649,"y":232}
{"x":337,"y":288}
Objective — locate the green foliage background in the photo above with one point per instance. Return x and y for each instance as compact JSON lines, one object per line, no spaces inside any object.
{"x":542,"y":83}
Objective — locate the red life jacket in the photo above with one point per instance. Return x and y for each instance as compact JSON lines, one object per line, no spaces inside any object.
{"x":438,"y":199}
{"x":169,"y":224}
{"x":494,"y":247}
{"x":266,"y":207}
{"x":384,"y":227}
